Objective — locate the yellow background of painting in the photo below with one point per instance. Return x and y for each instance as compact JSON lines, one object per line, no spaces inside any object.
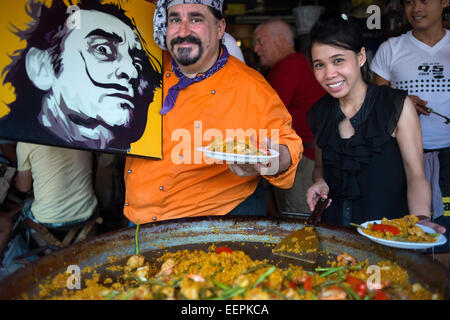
{"x":13,"y":13}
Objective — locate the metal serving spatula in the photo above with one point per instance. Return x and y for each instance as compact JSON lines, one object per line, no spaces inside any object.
{"x":303,"y":244}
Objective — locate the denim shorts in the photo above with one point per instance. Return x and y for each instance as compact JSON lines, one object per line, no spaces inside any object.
{"x":27,"y":213}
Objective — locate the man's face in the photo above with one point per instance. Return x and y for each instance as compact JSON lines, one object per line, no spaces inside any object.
{"x":193,"y":36}
{"x":101,"y":63}
{"x":422,"y":14}
{"x":265,"y":47}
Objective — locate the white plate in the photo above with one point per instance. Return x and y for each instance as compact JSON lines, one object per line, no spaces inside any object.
{"x":404,"y":245}
{"x":239,"y":158}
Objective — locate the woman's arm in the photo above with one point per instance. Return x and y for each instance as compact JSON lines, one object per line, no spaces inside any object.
{"x":409,"y":138}
{"x":318,"y":168}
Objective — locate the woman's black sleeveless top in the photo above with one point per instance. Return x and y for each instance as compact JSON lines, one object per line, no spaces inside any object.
{"x":365,"y":173}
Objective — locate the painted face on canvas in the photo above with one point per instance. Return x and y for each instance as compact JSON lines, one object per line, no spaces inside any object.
{"x":101,"y":64}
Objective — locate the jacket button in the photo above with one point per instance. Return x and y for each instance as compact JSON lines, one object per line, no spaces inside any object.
{"x":213,"y":92}
{"x":154,"y":218}
{"x":161,"y":188}
{"x":167,"y":74}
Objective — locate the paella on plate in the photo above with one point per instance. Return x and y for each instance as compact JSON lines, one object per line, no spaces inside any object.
{"x":403,"y":229}
{"x":247,"y":146}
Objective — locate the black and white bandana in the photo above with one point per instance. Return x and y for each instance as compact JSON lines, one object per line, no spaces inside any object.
{"x":160,"y":17}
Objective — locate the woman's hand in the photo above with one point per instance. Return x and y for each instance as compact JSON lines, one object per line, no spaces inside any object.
{"x":436,"y":227}
{"x":318,"y":190}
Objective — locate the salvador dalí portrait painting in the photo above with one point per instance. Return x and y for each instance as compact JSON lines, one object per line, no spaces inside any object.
{"x":81,"y":74}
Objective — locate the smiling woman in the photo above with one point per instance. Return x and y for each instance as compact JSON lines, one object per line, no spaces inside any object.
{"x":337,"y":70}
{"x":368,"y":138}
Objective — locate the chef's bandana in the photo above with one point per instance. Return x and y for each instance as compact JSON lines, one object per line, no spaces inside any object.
{"x":160,"y":16}
{"x":169,"y":101}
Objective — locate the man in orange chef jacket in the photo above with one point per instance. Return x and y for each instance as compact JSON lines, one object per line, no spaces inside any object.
{"x":207,"y":94}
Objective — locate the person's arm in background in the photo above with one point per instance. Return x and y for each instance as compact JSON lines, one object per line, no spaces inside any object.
{"x":24,"y":181}
{"x":419,"y":104}
{"x":381,"y":68}
{"x":380,"y":81}
{"x":409,"y":137}
{"x":24,"y":178}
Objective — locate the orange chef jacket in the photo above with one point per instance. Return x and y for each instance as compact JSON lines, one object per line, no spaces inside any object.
{"x":183,"y":184}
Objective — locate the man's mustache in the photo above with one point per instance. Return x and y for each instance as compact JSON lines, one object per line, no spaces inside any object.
{"x":188,"y":39}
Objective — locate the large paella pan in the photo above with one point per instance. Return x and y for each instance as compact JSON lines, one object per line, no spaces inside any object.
{"x":254,"y":236}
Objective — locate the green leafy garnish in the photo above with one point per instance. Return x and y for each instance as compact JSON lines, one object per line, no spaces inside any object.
{"x":136,"y":240}
{"x":265,"y":275}
{"x":259,"y":266}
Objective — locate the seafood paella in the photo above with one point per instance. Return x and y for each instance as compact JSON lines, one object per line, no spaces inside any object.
{"x":247,"y":146}
{"x":220,"y":273}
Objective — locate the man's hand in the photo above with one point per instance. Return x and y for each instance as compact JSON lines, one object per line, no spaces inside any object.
{"x":420,"y":105}
{"x":273,"y":167}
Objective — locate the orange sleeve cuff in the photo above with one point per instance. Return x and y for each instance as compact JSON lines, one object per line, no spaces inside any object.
{"x":285,"y":180}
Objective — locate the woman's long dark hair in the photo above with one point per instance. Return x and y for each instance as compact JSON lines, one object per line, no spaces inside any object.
{"x":333,"y":29}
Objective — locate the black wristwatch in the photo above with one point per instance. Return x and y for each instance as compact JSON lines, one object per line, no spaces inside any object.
{"x":424,"y":218}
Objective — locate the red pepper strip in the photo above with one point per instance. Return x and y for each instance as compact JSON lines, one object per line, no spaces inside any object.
{"x":385,"y":228}
{"x":292,"y":285}
{"x":308,"y":284}
{"x":357,"y":285}
{"x":381,"y":296}
{"x":223,"y":249}
{"x":260,"y":146}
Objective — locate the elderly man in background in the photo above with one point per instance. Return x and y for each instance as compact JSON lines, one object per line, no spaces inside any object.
{"x":207,"y":90}
{"x":292,"y":77}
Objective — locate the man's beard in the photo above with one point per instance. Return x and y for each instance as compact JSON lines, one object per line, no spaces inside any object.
{"x":182,"y":55}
